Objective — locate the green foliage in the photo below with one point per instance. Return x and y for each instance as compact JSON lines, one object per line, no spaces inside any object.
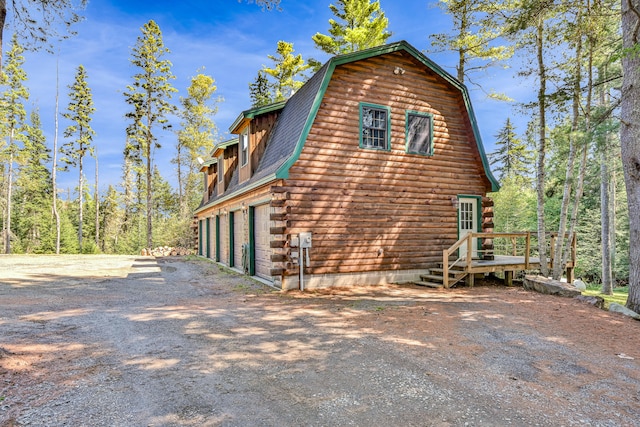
{"x":33,"y":195}
{"x":259,"y":91}
{"x":361,"y":25}
{"x":38,"y":21}
{"x":475,"y":36}
{"x":149,"y":96}
{"x":195,"y":140}
{"x":12,"y":128}
{"x":514,"y":206}
{"x":287,"y":73}
{"x":512,"y":157}
{"x":79,"y":112}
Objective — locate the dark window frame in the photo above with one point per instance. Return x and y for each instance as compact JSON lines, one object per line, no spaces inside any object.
{"x":422,"y":149}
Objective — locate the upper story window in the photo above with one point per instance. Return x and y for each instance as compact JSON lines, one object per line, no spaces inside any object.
{"x":221,"y":169}
{"x":419,"y":133}
{"x":375,"y":122}
{"x":244,"y":147}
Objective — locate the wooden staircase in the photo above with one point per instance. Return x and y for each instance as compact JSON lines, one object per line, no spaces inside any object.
{"x":434,"y":277}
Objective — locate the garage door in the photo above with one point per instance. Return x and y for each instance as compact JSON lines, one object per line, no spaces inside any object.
{"x":224,"y":239}
{"x":262,"y":237}
{"x":212,"y":238}
{"x":238,"y":239}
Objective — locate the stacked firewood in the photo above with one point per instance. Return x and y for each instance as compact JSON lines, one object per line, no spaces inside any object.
{"x":167,"y":251}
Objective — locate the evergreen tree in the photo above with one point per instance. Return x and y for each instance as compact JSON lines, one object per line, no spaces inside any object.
{"x":513,"y":158}
{"x":80,"y":110}
{"x":149,"y":97}
{"x":361,"y":25}
{"x":259,"y":91}
{"x":287,"y":72}
{"x":195,"y":139}
{"x":629,"y":137}
{"x":12,"y":125}
{"x":34,"y":192}
{"x":476,"y":28}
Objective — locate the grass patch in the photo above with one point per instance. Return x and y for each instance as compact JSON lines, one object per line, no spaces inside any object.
{"x":619,"y":294}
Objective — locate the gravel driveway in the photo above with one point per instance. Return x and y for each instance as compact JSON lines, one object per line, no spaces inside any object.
{"x":139,"y":341}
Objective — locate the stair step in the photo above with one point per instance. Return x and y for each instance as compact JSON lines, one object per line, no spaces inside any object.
{"x":429,"y":284}
{"x":431,"y":278}
{"x":453,"y":272}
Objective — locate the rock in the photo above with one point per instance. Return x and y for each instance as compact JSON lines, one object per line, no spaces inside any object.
{"x":618,"y":308}
{"x":550,"y":286}
{"x":580,"y":285}
{"x":595,"y":301}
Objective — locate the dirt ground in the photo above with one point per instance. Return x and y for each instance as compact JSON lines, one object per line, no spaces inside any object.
{"x":139,"y":341}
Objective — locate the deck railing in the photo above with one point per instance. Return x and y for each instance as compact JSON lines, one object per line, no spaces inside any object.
{"x":514,"y":244}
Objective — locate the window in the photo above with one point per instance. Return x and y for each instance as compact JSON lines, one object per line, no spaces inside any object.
{"x":419,"y":133}
{"x":374,"y":127}
{"x":244,"y":147}
{"x":221,"y":169}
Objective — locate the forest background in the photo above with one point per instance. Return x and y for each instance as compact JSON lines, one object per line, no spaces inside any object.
{"x":552,"y":129}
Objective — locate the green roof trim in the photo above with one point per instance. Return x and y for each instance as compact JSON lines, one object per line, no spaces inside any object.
{"x":253,"y":112}
{"x":283,"y":170}
{"x":225,"y":144}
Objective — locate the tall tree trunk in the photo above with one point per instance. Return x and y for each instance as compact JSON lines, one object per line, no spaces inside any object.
{"x":149,"y":193}
{"x":54,"y":167}
{"x":7,"y":241}
{"x":560,"y":255}
{"x":80,"y":200}
{"x":540,"y":175}
{"x":180,"y":183}
{"x":97,"y":200}
{"x":629,"y":137}
{"x":605,"y":232}
{"x":3,"y":18}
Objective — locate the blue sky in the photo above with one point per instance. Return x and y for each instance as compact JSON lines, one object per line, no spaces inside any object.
{"x":231,"y":40}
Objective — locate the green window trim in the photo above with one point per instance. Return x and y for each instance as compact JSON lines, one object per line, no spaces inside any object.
{"x":410,"y":131}
{"x":372,"y":119}
{"x":208,"y":237}
{"x":231,"y":239}
{"x":217,"y":238}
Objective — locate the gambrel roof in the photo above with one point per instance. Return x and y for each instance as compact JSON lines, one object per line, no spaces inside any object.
{"x":298,"y":114}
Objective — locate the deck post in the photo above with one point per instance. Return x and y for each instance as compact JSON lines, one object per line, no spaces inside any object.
{"x":508,"y":278}
{"x":527,"y":249}
{"x":445,"y":268}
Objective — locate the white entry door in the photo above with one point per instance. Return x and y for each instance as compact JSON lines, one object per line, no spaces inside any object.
{"x":468,"y":223}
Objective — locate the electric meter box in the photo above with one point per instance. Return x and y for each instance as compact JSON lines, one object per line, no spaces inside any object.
{"x":305,"y":239}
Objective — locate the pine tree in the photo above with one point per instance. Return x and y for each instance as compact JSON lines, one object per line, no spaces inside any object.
{"x":34,"y":192}
{"x":12,"y":123}
{"x":476,"y":28}
{"x":287,"y":72}
{"x":195,"y":139}
{"x":149,"y":97}
{"x":513,"y":158}
{"x":259,"y":91}
{"x":629,"y":137}
{"x":361,"y":25}
{"x":80,"y":110}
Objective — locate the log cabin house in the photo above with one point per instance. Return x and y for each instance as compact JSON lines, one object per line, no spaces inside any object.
{"x":377,"y":157}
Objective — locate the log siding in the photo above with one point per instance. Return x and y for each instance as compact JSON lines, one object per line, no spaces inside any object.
{"x":374,"y":210}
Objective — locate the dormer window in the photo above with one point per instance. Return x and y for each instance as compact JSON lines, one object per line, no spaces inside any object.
{"x":244,"y":147}
{"x":221,"y":170}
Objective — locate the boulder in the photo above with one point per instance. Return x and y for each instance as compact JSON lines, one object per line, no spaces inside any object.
{"x":580,"y":285}
{"x":618,"y":308}
{"x":548,"y":286}
{"x":593,"y":300}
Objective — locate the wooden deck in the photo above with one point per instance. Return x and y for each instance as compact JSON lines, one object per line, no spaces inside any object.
{"x":508,"y":264}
